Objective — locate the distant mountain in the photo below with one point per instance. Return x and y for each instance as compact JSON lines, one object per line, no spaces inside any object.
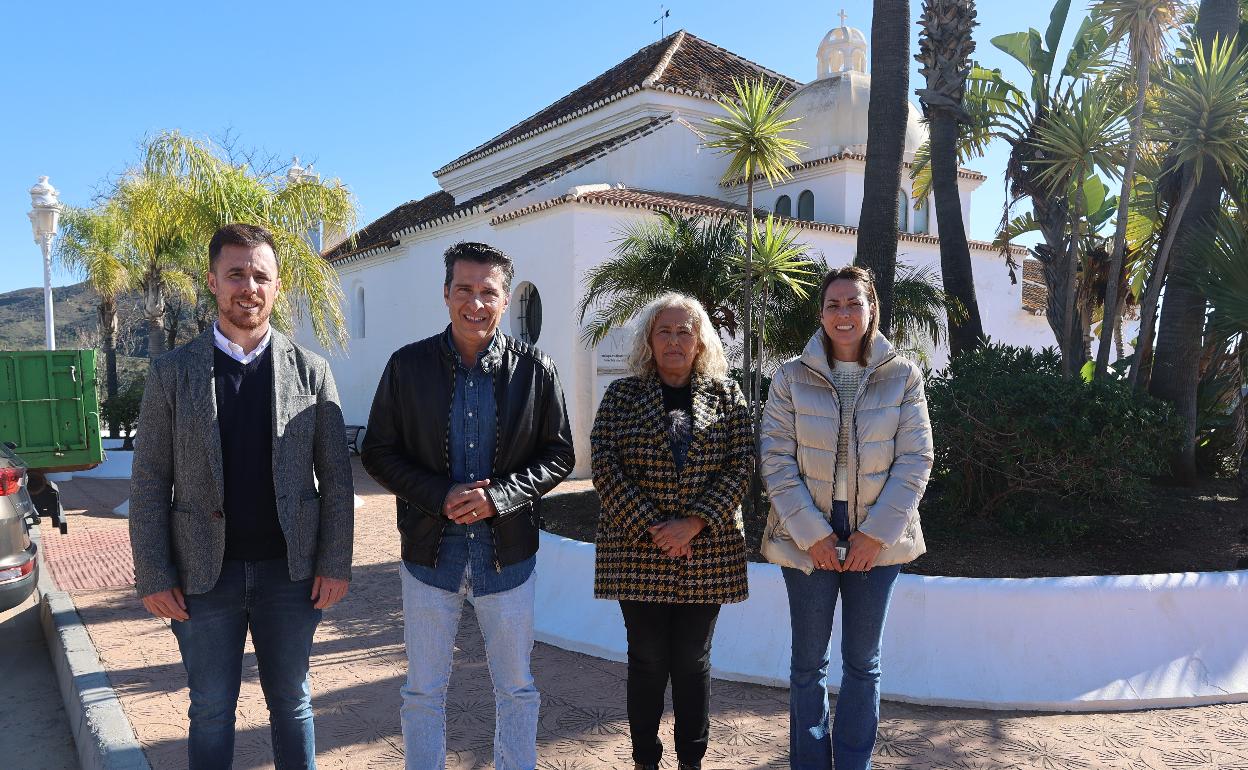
{"x":74,"y":307}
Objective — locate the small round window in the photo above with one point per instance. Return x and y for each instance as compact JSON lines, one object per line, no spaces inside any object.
{"x":527,"y":322}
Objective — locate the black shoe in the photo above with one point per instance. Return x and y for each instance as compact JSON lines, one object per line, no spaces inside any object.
{"x":644,"y":766}
{"x":689,"y":766}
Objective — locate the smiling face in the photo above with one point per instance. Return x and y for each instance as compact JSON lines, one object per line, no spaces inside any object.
{"x":476,"y":299}
{"x":674,"y":343}
{"x":245,"y":282}
{"x":845,"y":316}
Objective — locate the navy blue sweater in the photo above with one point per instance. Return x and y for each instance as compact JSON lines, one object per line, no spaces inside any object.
{"x":245,"y":417}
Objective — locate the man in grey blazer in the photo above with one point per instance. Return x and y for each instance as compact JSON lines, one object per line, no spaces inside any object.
{"x":241,"y":504}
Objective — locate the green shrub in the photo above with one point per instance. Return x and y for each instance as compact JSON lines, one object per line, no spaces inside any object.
{"x":1045,"y":455}
{"x":121,"y":412}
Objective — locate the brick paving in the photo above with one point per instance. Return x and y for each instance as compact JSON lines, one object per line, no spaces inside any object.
{"x":358,"y":663}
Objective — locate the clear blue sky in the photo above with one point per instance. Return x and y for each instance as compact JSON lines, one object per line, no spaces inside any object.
{"x":378,"y":94}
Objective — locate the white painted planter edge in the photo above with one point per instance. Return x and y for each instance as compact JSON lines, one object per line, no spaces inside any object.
{"x":1048,"y":644}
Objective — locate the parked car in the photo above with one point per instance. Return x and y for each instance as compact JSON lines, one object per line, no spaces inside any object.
{"x":19,"y":565}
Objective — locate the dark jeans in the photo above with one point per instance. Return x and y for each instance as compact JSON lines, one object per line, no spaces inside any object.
{"x":669,"y":641}
{"x":812,"y":605}
{"x":260,"y":596}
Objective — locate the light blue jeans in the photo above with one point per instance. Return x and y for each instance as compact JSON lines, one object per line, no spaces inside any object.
{"x":430,"y":622}
{"x":812,"y":605}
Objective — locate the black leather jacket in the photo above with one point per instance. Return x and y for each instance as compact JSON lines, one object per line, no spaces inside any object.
{"x":405,"y":448}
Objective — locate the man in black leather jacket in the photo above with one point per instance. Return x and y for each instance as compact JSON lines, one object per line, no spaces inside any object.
{"x":468,"y":429}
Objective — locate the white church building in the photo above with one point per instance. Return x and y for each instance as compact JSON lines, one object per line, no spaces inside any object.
{"x":555,"y":190}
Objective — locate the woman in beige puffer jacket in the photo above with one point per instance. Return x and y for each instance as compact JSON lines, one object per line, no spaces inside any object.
{"x":846,"y":453}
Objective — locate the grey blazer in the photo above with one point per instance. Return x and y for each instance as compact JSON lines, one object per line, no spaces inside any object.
{"x":177,"y":529}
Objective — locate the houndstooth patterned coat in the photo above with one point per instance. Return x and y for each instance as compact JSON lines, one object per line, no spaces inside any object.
{"x":636,"y":479}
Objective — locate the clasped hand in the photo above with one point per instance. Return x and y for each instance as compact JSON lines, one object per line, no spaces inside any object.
{"x":468,"y":503}
{"x":674,"y":536}
{"x":863,"y":551}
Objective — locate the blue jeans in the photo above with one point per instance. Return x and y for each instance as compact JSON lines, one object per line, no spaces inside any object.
{"x":260,"y":596}
{"x":812,"y":606}
{"x":430,"y":623}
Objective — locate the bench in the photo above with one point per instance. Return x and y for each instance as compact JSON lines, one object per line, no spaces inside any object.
{"x":353,"y":437}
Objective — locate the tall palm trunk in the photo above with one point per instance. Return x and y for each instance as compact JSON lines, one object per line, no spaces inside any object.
{"x":1052,"y":213}
{"x":1175,"y":374}
{"x":154,"y":312}
{"x":966,"y":331}
{"x":108,"y":341}
{"x":1117,"y":255}
{"x":886,"y":139}
{"x":1148,"y":308}
{"x":1072,"y":332}
{"x":754,"y":408}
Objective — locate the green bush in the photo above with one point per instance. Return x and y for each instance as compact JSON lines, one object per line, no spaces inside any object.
{"x":1046,"y":456}
{"x":122,"y":411}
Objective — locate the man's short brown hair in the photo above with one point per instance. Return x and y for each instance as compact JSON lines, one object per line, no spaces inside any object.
{"x":238,"y":234}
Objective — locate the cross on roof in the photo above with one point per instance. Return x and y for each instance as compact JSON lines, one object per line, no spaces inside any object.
{"x":843,"y":16}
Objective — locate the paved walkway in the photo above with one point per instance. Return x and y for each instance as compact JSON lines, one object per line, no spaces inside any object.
{"x":358,"y":664}
{"x":34,"y":730}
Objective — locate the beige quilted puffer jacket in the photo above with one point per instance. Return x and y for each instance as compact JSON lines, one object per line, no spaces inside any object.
{"x":890,"y":455}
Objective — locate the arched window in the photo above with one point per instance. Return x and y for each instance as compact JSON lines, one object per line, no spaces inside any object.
{"x":527,"y":323}
{"x":903,"y":211}
{"x":357,"y":314}
{"x":922,"y":218}
{"x":784,"y":206}
{"x":806,"y":206}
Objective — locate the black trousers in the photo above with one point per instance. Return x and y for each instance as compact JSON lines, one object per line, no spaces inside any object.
{"x":669,"y":641}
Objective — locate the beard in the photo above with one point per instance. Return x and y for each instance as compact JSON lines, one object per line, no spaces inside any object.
{"x":241,"y":319}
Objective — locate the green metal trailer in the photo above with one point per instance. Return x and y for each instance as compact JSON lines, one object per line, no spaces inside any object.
{"x":50,"y":418}
{"x":49,"y":410}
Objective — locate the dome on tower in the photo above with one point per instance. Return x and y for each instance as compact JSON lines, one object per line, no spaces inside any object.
{"x":833,"y":107}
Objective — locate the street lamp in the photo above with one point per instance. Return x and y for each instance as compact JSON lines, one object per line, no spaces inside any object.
{"x":44,"y":214}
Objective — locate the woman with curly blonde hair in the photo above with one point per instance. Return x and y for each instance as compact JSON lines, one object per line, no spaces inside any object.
{"x":672,"y":456}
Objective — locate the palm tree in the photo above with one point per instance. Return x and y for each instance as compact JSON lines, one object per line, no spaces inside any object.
{"x":289,"y":208}
{"x":1220,"y":272}
{"x":998,"y":109}
{"x":922,"y":310}
{"x":1144,"y":24}
{"x":1175,"y":372}
{"x":1082,"y":136}
{"x":691,"y":255}
{"x":887,"y":115}
{"x":779,"y":265}
{"x":93,"y":243}
{"x":753,"y":136}
{"x":1204,"y":111}
{"x":945,"y":47}
{"x":160,"y":218}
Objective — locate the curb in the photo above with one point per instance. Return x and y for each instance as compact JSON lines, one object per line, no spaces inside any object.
{"x":102,"y":733}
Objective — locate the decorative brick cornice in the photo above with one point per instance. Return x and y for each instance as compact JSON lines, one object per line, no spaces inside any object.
{"x":705,"y":206}
{"x":841,"y":157}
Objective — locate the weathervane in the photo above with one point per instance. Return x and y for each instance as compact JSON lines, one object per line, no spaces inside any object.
{"x":662,"y":21}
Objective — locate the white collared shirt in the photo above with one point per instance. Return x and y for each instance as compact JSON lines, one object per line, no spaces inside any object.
{"x":236,"y":351}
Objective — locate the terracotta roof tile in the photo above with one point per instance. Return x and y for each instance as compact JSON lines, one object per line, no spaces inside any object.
{"x":440,"y":206}
{"x":680,"y":62}
{"x":1035,"y":293}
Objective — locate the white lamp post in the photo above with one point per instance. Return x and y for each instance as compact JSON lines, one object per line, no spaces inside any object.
{"x":44,"y":215}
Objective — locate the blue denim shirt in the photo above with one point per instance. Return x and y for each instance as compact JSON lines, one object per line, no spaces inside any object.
{"x":473,"y":433}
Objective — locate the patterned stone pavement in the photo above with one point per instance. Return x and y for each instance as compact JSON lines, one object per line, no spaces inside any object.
{"x":358,"y":664}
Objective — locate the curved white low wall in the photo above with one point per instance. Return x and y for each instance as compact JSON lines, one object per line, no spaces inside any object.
{"x":1053,"y":644}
